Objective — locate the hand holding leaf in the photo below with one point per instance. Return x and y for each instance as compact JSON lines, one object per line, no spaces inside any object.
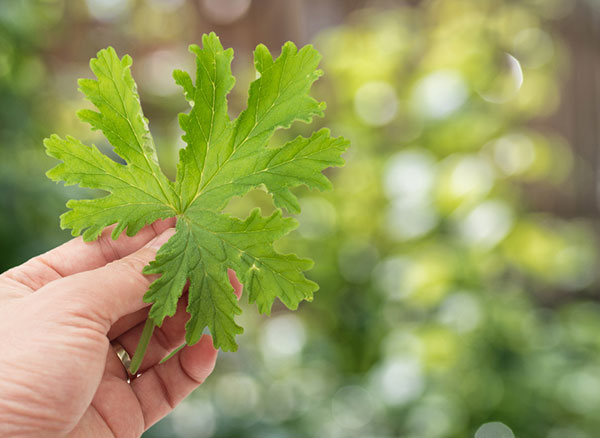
{"x":223,"y":158}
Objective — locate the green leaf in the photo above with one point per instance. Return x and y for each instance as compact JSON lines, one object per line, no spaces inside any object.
{"x":299,"y":162}
{"x":247,"y":247}
{"x":222,"y":159}
{"x":212,"y":304}
{"x":141,"y":193}
{"x":134,"y":201}
{"x":207,"y":126}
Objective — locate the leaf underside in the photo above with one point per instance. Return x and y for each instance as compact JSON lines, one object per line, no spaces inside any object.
{"x":223,"y":158}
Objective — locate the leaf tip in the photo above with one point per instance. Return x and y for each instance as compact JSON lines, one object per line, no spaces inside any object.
{"x":290,"y":47}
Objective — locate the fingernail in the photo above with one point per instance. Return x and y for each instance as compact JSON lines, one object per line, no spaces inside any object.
{"x":161,"y":239}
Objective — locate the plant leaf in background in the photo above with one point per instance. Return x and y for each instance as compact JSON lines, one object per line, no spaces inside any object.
{"x":223,"y":159}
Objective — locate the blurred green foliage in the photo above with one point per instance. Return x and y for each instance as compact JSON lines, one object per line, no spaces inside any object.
{"x":28,"y":204}
{"x":450,"y":305}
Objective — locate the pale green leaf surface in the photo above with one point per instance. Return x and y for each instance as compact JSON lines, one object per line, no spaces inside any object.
{"x":222,"y":159}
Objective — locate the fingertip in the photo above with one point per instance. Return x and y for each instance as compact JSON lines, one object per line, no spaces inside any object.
{"x":163,"y":386}
{"x":162,"y":224}
{"x":237,"y":286}
{"x":207,"y":344}
{"x":161,"y":239}
{"x":198,"y":360}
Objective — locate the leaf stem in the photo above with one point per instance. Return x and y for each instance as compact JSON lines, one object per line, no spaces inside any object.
{"x":173,"y":353}
{"x":142,"y":346}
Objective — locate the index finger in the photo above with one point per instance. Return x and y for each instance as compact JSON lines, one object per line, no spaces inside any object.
{"x":77,"y":256}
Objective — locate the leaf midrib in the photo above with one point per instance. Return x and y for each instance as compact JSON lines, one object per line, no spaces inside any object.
{"x":125,"y":116}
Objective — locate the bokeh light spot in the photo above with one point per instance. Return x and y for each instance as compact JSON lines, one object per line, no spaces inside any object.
{"x":579,"y":391}
{"x":410,"y":219}
{"x":440,"y":94}
{"x":399,"y":380}
{"x":514,"y":153}
{"x":390,"y":275}
{"x":433,"y":417}
{"x":409,"y":174}
{"x":506,"y":84}
{"x":352,"y":407}
{"x":107,"y":10}
{"x":195,"y":417}
{"x":237,"y":394}
{"x":487,"y":224}
{"x":534,"y":47}
{"x":283,"y":336}
{"x":156,"y":71}
{"x":409,"y":178}
{"x":461,"y":311}
{"x":225,"y":11}
{"x":472,"y":177}
{"x":495,"y":429}
{"x":376,"y":103}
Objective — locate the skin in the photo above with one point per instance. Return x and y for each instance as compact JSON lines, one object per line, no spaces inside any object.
{"x":60,"y":311}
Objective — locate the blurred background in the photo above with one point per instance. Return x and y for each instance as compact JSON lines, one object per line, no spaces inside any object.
{"x":458,"y":253}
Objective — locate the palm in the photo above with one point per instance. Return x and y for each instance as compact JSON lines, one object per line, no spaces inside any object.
{"x":65,"y":377}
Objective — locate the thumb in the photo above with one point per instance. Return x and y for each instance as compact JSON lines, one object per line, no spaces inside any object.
{"x":110,"y":292}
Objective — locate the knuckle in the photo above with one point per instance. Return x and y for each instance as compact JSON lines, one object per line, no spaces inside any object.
{"x":129,"y":270}
{"x":130,"y":265}
{"x":108,"y":250}
{"x":163,"y":340}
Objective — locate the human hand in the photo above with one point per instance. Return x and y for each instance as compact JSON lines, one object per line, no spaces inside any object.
{"x":59,"y":375}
